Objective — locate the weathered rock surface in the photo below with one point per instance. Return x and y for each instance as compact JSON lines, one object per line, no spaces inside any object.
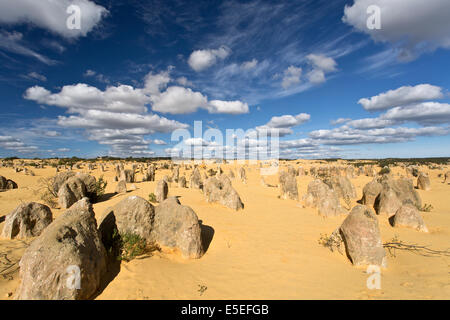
{"x":121,"y":187}
{"x":161,"y":191}
{"x":133,"y":215}
{"x":151,"y":172}
{"x":89,"y":183}
{"x":370,"y":193}
{"x":288,"y":185}
{"x":219,"y":189}
{"x":408,"y":216}
{"x":170,"y":224}
{"x":394,"y":194}
{"x":423,"y":182}
{"x":60,"y":179}
{"x":196,"y":179}
{"x":177,"y":226}
{"x":182,"y":182}
{"x":127,"y":175}
{"x":242,"y":174}
{"x":175,"y":174}
{"x":342,"y":186}
{"x":361,"y":235}
{"x":387,"y":202}
{"x":291,"y":171}
{"x":71,"y":191}
{"x":27,"y":220}
{"x":7,"y":184}
{"x":71,"y":243}
{"x":321,"y":196}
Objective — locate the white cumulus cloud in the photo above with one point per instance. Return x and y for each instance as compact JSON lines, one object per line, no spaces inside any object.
{"x":200,"y":60}
{"x":291,"y":76}
{"x":413,"y":26}
{"x":52,"y":15}
{"x":229,"y":107}
{"x":401,"y":96}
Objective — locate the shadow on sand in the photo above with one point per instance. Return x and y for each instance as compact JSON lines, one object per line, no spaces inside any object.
{"x":105,"y":197}
{"x":207,"y":235}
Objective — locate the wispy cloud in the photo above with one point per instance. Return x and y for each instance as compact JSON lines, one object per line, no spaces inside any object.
{"x":13,"y":42}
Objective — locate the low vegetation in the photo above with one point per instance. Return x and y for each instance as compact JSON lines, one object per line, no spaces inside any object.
{"x":397,"y":244}
{"x":48,"y":199}
{"x":426,"y":208}
{"x":332,"y":242}
{"x":100,"y":187}
{"x":130,"y":246}
{"x":152,"y":198}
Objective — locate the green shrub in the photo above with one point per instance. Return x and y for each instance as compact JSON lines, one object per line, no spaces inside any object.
{"x":152,"y":198}
{"x":100,"y":187}
{"x":385,"y":170}
{"x":128,"y":246}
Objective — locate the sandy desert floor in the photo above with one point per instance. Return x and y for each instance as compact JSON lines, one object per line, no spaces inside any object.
{"x":269,"y":250}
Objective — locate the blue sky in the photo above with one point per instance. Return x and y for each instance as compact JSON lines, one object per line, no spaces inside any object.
{"x":312,"y":71}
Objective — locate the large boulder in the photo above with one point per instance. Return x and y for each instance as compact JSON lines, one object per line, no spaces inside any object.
{"x":175,"y":173}
{"x":127,"y":175}
{"x":7,"y":184}
{"x":170,"y":224}
{"x":291,"y":171}
{"x":370,"y":193}
{"x":361,"y":235}
{"x":182,"y":182}
{"x":71,"y":191}
{"x":59,"y":179}
{"x":121,"y":187}
{"x":409,"y":216}
{"x":350,"y":172}
{"x":242,"y":174}
{"x":219,"y":189}
{"x":177,"y":226}
{"x":49,"y":267}
{"x":288,"y":185}
{"x":342,"y":186}
{"x":90,"y":182}
{"x":423,"y":182}
{"x":394,"y":194}
{"x":319,"y":195}
{"x":196,"y":179}
{"x":151,"y":172}
{"x":133,"y":215}
{"x":161,"y":190}
{"x":370,"y":171}
{"x":387,"y":202}
{"x":29,"y":219}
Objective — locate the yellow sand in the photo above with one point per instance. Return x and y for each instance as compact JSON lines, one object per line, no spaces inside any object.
{"x":269,"y":250}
